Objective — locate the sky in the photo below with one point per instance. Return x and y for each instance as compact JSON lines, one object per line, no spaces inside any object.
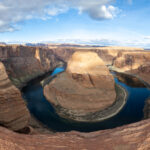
{"x":99,"y":22}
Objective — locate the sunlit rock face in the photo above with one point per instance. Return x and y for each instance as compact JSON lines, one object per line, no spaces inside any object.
{"x":85,"y":87}
{"x":135,"y":63}
{"x":107,"y":53}
{"x":13,"y":112}
{"x":89,"y":70}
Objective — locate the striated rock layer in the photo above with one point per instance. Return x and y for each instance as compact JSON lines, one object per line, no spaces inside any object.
{"x":107,"y":54}
{"x":131,"y":137}
{"x":89,"y":70}
{"x":25,"y":63}
{"x":13,"y":112}
{"x":86,"y":86}
{"x":135,"y":63}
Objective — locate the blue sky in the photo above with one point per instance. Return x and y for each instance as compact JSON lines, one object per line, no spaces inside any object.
{"x":102,"y":22}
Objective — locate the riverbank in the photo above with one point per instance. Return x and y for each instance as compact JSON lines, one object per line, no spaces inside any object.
{"x":118,"y":71}
{"x":127,"y":109}
{"x":121,"y":98}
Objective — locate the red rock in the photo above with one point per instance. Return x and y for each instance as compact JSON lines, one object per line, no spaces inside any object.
{"x":130,"y":137}
{"x":25,"y":63}
{"x":134,"y":63}
{"x":13,"y":112}
{"x":86,"y":86}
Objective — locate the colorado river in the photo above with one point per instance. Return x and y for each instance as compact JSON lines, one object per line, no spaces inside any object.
{"x":44,"y":112}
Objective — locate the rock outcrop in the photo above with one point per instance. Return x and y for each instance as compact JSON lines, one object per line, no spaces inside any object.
{"x":90,"y":71}
{"x":130,"y":137}
{"x":13,"y":112}
{"x":134,"y":63}
{"x":107,"y":54}
{"x":25,"y":63}
{"x":129,"y":80}
{"x":86,"y":87}
{"x":147,"y":109}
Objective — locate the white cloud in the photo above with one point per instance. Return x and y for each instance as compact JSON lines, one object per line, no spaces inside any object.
{"x":122,"y":38}
{"x":14,"y":11}
{"x":102,"y":12}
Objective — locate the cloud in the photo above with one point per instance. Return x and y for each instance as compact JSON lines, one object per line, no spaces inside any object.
{"x":102,"y":12}
{"x":130,"y":2}
{"x":13,"y":12}
{"x":122,"y":38}
{"x":105,"y":42}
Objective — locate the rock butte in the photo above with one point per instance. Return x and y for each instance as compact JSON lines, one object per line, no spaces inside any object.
{"x":130,"y":137}
{"x":86,"y":86}
{"x":89,"y":70}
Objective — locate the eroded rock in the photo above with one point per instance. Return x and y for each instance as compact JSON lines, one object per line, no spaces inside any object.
{"x":134,"y":63}
{"x":130,"y":137}
{"x":85,"y":87}
{"x":25,"y":63}
{"x":13,"y":112}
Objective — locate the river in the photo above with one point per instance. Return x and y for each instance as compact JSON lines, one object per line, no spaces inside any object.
{"x":45,"y":113}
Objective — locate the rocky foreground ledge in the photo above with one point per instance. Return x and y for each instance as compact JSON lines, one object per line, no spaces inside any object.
{"x":131,"y":137}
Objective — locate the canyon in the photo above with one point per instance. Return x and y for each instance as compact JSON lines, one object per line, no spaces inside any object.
{"x":20,"y":64}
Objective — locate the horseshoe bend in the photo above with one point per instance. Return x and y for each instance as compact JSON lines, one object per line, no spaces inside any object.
{"x":98,"y":88}
{"x":86,"y":88}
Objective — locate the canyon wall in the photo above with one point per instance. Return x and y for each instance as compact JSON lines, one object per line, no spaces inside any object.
{"x":25,"y":63}
{"x":107,"y":54}
{"x":13,"y":112}
{"x":134,"y":63}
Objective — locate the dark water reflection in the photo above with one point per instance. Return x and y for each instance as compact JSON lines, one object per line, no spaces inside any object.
{"x":44,"y":112}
